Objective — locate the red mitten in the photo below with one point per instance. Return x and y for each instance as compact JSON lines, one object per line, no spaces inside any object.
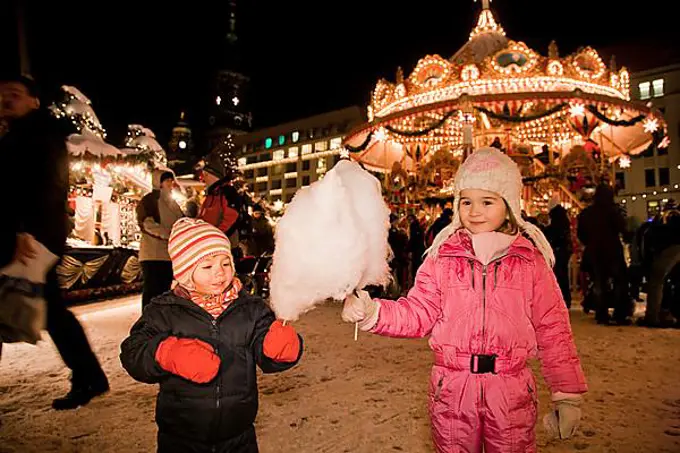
{"x":189,"y":358}
{"x":281,"y":344}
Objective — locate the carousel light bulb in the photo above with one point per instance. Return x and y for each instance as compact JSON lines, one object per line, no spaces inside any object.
{"x":654,"y":193}
{"x":634,"y":198}
{"x":675,"y":186}
{"x":644,"y":195}
{"x":665,"y":189}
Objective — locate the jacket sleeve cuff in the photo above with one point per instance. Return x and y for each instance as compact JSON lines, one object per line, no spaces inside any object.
{"x":371,"y":321}
{"x":268,"y":365}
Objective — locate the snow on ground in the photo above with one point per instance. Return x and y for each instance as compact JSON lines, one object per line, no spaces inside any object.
{"x":368,"y":396}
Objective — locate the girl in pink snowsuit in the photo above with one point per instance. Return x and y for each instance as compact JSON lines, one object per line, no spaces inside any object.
{"x":488,"y":299}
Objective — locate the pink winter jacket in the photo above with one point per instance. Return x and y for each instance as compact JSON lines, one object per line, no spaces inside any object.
{"x":512,"y":308}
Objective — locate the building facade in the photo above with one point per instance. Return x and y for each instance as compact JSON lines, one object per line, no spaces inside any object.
{"x":279,"y":160}
{"x":653,"y":178}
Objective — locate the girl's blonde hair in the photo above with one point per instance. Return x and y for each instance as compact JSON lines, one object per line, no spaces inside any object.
{"x":510,"y":226}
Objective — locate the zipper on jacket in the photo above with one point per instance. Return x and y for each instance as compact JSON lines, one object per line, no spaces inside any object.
{"x":495,"y":274}
{"x":483,"y":306}
{"x":438,"y":392}
{"x":472,"y":270}
{"x":217,"y":351}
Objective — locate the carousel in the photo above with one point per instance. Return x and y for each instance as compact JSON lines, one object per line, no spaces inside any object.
{"x":568,"y":121}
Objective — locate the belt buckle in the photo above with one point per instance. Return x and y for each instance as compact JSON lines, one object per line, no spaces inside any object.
{"x":483,"y":364}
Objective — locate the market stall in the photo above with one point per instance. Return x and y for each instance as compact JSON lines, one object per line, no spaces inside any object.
{"x":106,"y":183}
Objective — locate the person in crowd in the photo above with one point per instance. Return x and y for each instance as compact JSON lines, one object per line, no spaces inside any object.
{"x":201,"y":343}
{"x":558,"y":233}
{"x":35,"y":142}
{"x":599,"y":228}
{"x":488,"y":299}
{"x":156,"y":213}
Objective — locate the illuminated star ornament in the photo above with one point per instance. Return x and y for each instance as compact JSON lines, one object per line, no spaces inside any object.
{"x":577,"y":110}
{"x":624,"y":162}
{"x":650,"y":125}
{"x":235,"y":100}
{"x":380,"y":135}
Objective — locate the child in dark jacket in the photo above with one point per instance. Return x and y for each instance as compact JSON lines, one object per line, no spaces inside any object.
{"x":201,"y":342}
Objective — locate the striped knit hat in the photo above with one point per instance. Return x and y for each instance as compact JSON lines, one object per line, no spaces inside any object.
{"x":192,"y":240}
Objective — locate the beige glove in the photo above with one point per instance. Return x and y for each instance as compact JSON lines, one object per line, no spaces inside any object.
{"x":563,"y":421}
{"x":360,"y":308}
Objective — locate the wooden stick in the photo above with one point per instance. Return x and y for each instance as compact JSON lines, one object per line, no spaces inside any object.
{"x":284,"y":323}
{"x":356,"y":331}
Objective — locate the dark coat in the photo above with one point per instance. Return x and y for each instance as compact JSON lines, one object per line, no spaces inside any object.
{"x":35,"y":147}
{"x":558,"y":234}
{"x":224,"y":408}
{"x":599,"y":227}
{"x":262,"y":240}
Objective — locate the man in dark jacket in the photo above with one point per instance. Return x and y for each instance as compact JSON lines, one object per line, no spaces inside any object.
{"x":599,"y":228}
{"x":442,"y":222}
{"x":262,"y":237}
{"x":35,"y":143}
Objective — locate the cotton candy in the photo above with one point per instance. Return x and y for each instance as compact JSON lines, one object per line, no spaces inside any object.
{"x":331,"y":240}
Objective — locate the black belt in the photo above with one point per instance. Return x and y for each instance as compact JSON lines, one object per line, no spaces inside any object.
{"x":482,"y":364}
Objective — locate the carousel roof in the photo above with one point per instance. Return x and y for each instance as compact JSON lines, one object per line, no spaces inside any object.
{"x":486,"y":39}
{"x":500,"y":84}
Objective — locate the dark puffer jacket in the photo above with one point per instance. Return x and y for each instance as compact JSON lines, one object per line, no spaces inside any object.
{"x":36,"y":146}
{"x":225,"y":407}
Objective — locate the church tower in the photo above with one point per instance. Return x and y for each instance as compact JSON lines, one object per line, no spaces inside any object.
{"x":230,"y":112}
{"x":180,"y":141}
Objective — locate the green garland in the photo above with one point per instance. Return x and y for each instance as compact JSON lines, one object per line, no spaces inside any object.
{"x":133,"y":159}
{"x":626,"y":123}
{"x":430,"y":128}
{"x":522,"y":119}
{"x":356,"y":149}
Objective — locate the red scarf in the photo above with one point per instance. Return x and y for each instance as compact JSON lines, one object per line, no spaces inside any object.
{"x":215,"y":304}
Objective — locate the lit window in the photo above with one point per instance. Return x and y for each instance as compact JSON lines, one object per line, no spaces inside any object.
{"x":282,"y":139}
{"x":241,"y":161}
{"x":295,"y":136}
{"x":644,"y":90}
{"x":278,"y":154}
{"x":268,"y":143}
{"x":336,"y":142}
{"x":306,"y":149}
{"x":320,"y":146}
{"x":658,"y":88}
{"x":293,"y":152}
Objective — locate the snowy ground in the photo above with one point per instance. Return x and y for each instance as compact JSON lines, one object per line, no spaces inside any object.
{"x":367,"y":396}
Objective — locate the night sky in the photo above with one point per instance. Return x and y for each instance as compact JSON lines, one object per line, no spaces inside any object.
{"x":144,"y":64}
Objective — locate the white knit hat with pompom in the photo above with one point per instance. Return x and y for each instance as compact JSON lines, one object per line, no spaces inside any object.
{"x":492,"y":170}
